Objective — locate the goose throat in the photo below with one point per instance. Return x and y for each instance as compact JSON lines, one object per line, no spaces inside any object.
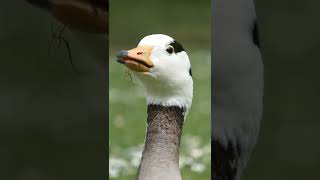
{"x":160,"y":157}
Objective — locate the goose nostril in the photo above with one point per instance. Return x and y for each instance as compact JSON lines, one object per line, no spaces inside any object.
{"x":139,"y":53}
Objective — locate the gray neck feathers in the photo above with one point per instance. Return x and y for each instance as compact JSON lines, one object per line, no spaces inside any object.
{"x":160,"y":157}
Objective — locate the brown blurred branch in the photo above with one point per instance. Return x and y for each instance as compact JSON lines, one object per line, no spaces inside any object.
{"x":83,"y":15}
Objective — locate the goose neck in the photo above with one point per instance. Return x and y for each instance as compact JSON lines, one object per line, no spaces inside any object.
{"x":160,"y":157}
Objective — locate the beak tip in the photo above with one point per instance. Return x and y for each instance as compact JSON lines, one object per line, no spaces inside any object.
{"x":121,"y":54}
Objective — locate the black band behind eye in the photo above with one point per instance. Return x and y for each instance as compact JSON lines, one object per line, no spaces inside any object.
{"x":177,"y":46}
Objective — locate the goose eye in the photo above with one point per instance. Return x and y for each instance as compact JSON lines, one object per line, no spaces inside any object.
{"x":170,"y":49}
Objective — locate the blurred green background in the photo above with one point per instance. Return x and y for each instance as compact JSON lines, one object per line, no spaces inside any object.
{"x":189,"y":23}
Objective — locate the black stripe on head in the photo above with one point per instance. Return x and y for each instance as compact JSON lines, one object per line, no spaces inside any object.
{"x":224,"y":160}
{"x":255,"y":34}
{"x":177,"y":46}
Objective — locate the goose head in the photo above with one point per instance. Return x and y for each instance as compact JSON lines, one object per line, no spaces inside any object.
{"x":163,"y":67}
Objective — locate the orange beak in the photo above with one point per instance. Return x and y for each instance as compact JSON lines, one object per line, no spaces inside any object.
{"x":137,"y":59}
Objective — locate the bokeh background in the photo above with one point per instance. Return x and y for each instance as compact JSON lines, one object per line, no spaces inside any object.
{"x":289,"y":146}
{"x":53,"y":121}
{"x":189,"y":23}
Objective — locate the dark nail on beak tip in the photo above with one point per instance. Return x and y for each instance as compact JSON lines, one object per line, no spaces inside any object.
{"x":121,"y":54}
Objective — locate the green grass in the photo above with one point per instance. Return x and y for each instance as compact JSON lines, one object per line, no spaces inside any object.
{"x":127,"y":116}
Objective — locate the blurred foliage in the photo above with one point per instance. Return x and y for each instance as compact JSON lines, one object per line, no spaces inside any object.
{"x":187,"y":21}
{"x":52,"y":120}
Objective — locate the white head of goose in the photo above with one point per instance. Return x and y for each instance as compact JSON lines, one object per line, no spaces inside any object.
{"x":164,"y":69}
